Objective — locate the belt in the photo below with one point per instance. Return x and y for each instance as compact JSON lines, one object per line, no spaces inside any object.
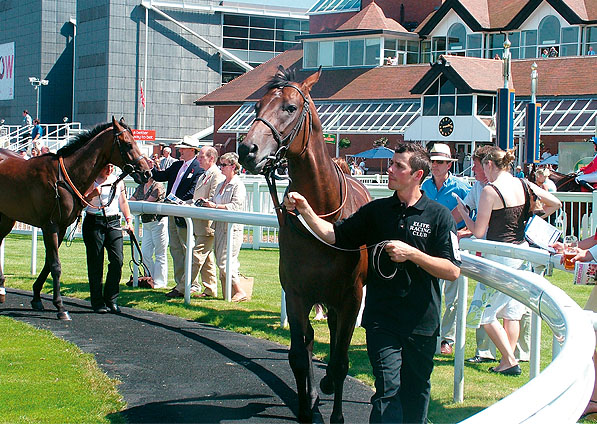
{"x":100,"y":217}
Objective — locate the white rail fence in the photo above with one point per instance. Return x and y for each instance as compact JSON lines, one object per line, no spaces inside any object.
{"x":558,"y":394}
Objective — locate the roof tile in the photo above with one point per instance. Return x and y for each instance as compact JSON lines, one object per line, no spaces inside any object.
{"x":371,"y":17}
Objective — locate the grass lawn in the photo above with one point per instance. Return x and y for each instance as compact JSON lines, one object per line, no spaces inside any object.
{"x":261,"y":318}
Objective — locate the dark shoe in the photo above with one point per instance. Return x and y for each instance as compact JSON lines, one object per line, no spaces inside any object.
{"x":479,"y":360}
{"x":446,"y":348}
{"x":114,"y":308}
{"x":515,"y":370}
{"x":101,"y":310}
{"x":174,"y":293}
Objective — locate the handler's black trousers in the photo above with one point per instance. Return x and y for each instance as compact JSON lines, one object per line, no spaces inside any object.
{"x":100,"y":234}
{"x":402,"y":368}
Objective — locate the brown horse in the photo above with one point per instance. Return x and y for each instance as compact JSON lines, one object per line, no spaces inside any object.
{"x":287,"y":126}
{"x":43,"y":193}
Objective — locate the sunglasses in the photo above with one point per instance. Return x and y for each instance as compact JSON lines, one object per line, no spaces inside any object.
{"x":223,"y":165}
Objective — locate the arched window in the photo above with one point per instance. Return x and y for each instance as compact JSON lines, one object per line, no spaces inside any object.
{"x":549,"y":31}
{"x":457,"y":37}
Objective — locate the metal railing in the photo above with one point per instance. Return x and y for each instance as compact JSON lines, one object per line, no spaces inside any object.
{"x":18,"y":137}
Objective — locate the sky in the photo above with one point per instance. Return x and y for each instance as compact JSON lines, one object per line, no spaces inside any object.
{"x":291,"y":3}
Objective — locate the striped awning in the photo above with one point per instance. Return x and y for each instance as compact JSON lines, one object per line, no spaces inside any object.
{"x":391,"y":117}
{"x":558,"y":117}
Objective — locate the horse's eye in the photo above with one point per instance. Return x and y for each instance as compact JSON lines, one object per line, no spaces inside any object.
{"x":290,"y":109}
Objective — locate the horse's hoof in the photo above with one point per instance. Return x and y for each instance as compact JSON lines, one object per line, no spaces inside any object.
{"x":64,"y":316}
{"x":327,"y":385}
{"x":339,"y":419}
{"x":37,"y":305}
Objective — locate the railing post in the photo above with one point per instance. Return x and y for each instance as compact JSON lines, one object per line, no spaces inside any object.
{"x":188,"y":261}
{"x":33,"y":250}
{"x":283,"y":314}
{"x":256,"y":208}
{"x":460,"y":339}
{"x":135,"y":253}
{"x":535,"y":360}
{"x":228,"y":255}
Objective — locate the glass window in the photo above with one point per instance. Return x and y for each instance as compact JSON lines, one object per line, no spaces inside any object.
{"x":357,"y":52}
{"x":447,"y":105}
{"x":591,"y":47}
{"x":412,"y":46}
{"x":389,"y":44}
{"x":283,"y":46}
{"x":549,"y":30}
{"x":264,"y":34}
{"x":372,"y":51}
{"x":570,"y":35}
{"x":288,"y":24}
{"x":411,"y":58}
{"x":267,"y":46}
{"x":341,"y":53}
{"x":425,"y":51}
{"x":231,"y":31}
{"x":433,"y":89}
{"x":438,"y":47}
{"x":286,"y":35}
{"x":496,"y":45}
{"x":446,"y":86}
{"x":528,"y":43}
{"x":474,"y":41}
{"x":261,"y":22}
{"x":464,"y":105}
{"x":326,"y":53}
{"x":485,"y":105}
{"x":457,"y":37}
{"x":430,"y":106}
{"x":569,"y":50}
{"x":310,"y":54}
{"x":237,"y":20}
{"x":235,"y":43}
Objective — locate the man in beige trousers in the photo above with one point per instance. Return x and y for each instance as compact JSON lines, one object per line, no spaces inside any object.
{"x":203,"y":258}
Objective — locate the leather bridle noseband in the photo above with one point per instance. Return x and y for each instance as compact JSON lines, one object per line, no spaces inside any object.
{"x":284,"y":142}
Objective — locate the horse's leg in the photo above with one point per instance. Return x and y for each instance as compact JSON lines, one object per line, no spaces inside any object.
{"x":300,"y":357}
{"x":6,"y":225}
{"x":341,"y":329}
{"x":52,"y":239}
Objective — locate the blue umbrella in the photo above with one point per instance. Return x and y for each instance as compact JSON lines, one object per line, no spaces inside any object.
{"x":552,"y":160}
{"x":376,"y":153}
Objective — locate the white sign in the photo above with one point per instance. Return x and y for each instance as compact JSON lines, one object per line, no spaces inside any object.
{"x":7,"y":77}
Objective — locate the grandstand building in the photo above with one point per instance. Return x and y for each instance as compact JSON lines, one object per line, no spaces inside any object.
{"x":395,"y":70}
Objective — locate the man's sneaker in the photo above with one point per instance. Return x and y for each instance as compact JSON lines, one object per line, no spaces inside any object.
{"x":446,"y":348}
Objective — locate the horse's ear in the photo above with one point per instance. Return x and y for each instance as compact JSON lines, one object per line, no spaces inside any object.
{"x":113,"y":121}
{"x":311,"y":80}
{"x":281,"y":72}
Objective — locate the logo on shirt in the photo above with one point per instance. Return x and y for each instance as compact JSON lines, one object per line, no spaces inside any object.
{"x":420,"y":229}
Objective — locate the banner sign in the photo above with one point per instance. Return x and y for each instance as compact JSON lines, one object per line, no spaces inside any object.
{"x":504,"y":125}
{"x":7,"y":78}
{"x":144,"y":135}
{"x":533,"y":118}
{"x":330,"y":138}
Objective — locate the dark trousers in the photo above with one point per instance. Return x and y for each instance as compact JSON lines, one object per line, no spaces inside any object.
{"x":100,"y":234}
{"x":402,"y":368}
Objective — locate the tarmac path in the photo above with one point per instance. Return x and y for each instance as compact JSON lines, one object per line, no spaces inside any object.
{"x":178,"y":371}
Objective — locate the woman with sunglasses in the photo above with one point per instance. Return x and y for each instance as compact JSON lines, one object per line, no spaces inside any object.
{"x":230,"y":194}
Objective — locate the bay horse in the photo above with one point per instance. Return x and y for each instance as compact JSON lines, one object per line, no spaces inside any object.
{"x":568,"y":183}
{"x":45,"y":192}
{"x":287,"y":128}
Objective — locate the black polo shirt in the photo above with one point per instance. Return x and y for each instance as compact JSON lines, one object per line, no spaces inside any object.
{"x":410,"y":302}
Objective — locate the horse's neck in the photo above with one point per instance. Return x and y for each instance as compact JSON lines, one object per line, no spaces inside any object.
{"x":84,"y":165}
{"x":315,"y":176}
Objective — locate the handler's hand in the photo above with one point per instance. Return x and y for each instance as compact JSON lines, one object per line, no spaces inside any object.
{"x":398,"y":251}
{"x":558,"y":247}
{"x":294,"y":201}
{"x":581,"y":256}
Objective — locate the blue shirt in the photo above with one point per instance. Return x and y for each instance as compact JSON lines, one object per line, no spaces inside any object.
{"x":443,"y":196}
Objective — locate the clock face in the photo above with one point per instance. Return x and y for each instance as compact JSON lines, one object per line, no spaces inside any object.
{"x":446,"y":126}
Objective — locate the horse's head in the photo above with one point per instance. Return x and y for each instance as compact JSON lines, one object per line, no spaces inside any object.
{"x":281,"y":114}
{"x":130,"y":159}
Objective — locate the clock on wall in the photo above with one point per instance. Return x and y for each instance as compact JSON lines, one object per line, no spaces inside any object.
{"x":446,"y":126}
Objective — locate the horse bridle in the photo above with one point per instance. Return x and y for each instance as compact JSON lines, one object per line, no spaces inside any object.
{"x":284,"y":142}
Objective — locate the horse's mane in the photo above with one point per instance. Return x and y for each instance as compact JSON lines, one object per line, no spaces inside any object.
{"x":282,"y":78}
{"x":81,"y":139}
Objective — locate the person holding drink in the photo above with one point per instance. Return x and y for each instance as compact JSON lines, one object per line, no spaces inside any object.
{"x":570,"y":248}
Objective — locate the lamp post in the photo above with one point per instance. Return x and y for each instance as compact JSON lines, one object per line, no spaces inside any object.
{"x":36,"y":83}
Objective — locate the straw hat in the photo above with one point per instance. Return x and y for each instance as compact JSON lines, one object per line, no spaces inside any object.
{"x":188,"y":142}
{"x":441,"y":151}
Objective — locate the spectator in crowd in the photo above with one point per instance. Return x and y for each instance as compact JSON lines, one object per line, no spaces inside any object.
{"x":203,"y":260}
{"x":587,"y":252}
{"x":27,"y":120}
{"x":155,"y":233}
{"x":546,"y":153}
{"x":102,"y":231}
{"x":44,"y":150}
{"x":441,"y":187}
{"x":35,"y":152}
{"x":544,"y":53}
{"x":182,"y":177}
{"x":590,"y":51}
{"x":229,"y":194}
{"x":401,"y":316}
{"x":485,"y":350}
{"x":363,"y":168}
{"x":23,"y":154}
{"x":36,"y":133}
{"x":504,"y":207}
{"x":553,"y":52}
{"x":167,"y":158}
{"x":519,"y":172}
{"x":542,"y":180}
{"x":460,"y":156}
